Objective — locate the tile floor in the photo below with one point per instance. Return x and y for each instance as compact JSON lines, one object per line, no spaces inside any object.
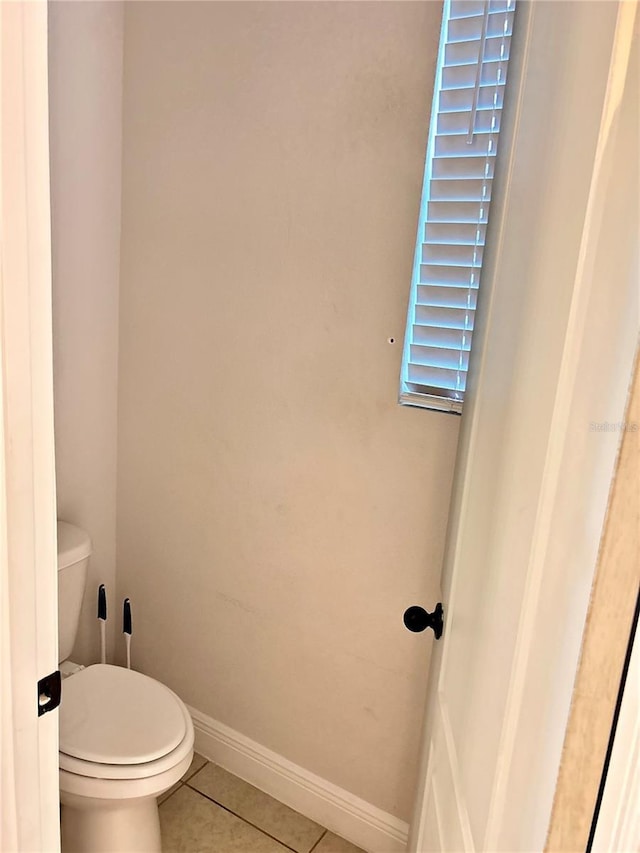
{"x":212,"y":811}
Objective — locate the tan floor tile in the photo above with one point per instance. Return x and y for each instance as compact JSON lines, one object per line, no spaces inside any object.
{"x":192,"y":824}
{"x":168,"y":793}
{"x":332,"y":844}
{"x":197,"y":763}
{"x":260,"y":809}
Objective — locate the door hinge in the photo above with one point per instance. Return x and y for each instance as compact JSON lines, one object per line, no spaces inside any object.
{"x":49,"y":689}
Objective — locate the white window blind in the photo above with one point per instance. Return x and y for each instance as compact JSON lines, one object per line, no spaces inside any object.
{"x":456,"y":196}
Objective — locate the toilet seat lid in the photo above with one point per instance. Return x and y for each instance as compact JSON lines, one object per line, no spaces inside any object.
{"x":112,"y":715}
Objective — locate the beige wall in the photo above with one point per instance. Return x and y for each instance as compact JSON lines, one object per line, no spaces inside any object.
{"x":85,"y":81}
{"x":277,"y":510}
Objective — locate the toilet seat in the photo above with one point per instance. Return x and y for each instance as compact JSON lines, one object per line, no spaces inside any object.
{"x":116,"y":723}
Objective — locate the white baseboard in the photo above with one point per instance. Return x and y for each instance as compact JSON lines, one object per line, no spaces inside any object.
{"x":343,"y":813}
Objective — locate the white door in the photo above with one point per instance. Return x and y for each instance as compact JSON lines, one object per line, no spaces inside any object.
{"x":555,"y":344}
{"x":29,"y":812}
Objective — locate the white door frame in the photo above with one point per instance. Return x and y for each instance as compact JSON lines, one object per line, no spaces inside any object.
{"x":555,"y":549}
{"x":29,"y":782}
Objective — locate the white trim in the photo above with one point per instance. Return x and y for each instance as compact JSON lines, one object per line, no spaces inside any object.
{"x":28,"y":571}
{"x":567,"y":473}
{"x":329,"y":805}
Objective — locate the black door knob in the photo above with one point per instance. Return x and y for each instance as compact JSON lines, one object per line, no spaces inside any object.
{"x":417,"y":619}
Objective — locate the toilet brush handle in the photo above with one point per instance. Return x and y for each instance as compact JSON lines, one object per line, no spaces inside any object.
{"x":126,"y":628}
{"x":102,"y":618}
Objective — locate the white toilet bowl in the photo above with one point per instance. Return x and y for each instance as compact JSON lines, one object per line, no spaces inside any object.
{"x":124,"y":740}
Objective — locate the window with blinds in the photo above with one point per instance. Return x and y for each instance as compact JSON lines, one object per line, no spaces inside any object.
{"x":456,"y":197}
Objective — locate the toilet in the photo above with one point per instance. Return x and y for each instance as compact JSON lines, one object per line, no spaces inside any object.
{"x":125,"y":738}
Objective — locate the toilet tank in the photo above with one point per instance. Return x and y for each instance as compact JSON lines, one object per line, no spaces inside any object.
{"x":74,"y":550}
